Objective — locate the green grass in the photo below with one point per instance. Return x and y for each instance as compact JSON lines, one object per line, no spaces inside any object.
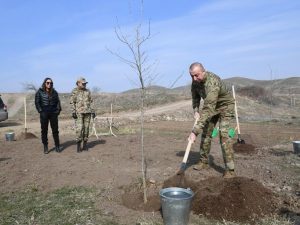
{"x":65,"y":206}
{"x":76,"y":206}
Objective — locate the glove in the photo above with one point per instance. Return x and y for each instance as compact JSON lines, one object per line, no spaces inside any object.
{"x":74,"y":116}
{"x":93,"y":115}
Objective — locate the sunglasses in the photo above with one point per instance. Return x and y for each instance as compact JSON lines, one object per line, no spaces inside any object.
{"x":49,"y":82}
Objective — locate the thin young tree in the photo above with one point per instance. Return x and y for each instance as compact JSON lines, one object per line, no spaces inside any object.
{"x":138,"y":61}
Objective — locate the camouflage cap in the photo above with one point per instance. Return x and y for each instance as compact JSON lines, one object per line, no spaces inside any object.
{"x":81,"y":80}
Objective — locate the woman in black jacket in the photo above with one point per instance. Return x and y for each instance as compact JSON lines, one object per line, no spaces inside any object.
{"x":47,"y":104}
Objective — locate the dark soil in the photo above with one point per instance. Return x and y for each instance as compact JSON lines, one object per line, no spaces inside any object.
{"x":114,"y":162}
{"x":178,"y":181}
{"x":238,"y":199}
{"x":26,"y":135}
{"x":136,"y":201}
{"x":244,"y":148}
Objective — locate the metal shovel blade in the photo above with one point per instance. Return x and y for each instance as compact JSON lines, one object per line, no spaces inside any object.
{"x":182,"y":169}
{"x":240,"y":140}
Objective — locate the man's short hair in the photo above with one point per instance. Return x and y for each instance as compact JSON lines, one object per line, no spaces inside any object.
{"x":196,"y":64}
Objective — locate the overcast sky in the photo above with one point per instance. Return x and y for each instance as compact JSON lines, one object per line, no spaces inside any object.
{"x":65,"y":39}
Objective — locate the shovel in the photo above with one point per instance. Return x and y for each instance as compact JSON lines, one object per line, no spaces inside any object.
{"x":239,"y":140}
{"x":186,"y":155}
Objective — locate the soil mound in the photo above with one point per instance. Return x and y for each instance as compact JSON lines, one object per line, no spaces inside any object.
{"x":238,"y":199}
{"x":244,"y":148}
{"x":26,"y":135}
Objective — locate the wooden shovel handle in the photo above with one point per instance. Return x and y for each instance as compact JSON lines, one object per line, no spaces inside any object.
{"x":188,"y":147}
{"x":236,"y":112}
{"x":187,"y":152}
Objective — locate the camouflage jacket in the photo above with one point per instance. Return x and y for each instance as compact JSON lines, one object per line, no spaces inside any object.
{"x":81,"y":101}
{"x":217,"y":99}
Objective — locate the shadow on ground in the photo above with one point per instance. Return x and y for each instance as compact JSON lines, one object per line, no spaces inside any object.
{"x":4,"y":159}
{"x":90,"y":144}
{"x":194,"y":158}
{"x":9,"y":124}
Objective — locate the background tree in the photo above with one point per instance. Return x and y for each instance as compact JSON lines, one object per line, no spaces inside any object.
{"x":29,"y":87}
{"x":95,"y":89}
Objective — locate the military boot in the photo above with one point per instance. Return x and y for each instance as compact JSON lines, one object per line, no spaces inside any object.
{"x":201,"y":165}
{"x":46,"y":149}
{"x":79,"y":146}
{"x":85,"y":147}
{"x":229,"y":174}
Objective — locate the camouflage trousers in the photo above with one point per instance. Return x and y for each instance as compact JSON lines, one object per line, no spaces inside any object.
{"x":225,"y":123}
{"x":82,"y":126}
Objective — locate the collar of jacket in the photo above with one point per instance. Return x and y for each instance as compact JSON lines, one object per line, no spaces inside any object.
{"x":204,"y":77}
{"x":81,"y":89}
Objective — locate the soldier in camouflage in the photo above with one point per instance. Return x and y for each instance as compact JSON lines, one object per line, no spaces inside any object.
{"x":218,"y":106}
{"x":82,"y":111}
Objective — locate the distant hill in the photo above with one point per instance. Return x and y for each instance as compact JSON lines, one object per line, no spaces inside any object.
{"x":256,"y":99}
{"x":154,"y":88}
{"x":276,"y":92}
{"x":279,"y":86}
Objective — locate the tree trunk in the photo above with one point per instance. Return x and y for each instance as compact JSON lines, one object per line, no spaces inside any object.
{"x":142,"y":146}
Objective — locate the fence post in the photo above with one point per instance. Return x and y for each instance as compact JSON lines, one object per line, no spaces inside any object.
{"x":25,"y":116}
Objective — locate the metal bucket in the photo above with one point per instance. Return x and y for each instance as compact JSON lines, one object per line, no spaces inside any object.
{"x":10,"y":136}
{"x":296,"y":146}
{"x":176,"y":204}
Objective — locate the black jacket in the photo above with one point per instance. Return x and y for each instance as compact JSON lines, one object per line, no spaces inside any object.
{"x":45,"y":102}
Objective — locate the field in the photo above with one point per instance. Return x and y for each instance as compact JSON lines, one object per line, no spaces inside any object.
{"x":103,"y":185}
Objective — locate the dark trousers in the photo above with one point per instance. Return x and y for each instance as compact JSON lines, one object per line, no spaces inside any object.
{"x":45,"y":118}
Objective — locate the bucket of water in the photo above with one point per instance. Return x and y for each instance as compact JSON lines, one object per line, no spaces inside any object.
{"x":296,"y":146}
{"x":10,"y":136}
{"x":176,"y":204}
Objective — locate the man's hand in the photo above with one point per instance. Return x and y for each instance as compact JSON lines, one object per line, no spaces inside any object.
{"x":197,"y":115}
{"x":74,"y":116}
{"x":93,"y":115}
{"x":192,"y":137}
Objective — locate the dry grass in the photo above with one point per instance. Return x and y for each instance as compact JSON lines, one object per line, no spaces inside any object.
{"x":63,"y":206}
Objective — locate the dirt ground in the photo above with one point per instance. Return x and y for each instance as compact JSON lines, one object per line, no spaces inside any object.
{"x":113,"y":164}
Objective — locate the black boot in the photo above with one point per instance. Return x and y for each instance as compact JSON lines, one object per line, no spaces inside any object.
{"x":85,"y":147}
{"x":57,"y":143}
{"x":78,"y":146}
{"x":58,"y":148}
{"x":46,"y":149}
